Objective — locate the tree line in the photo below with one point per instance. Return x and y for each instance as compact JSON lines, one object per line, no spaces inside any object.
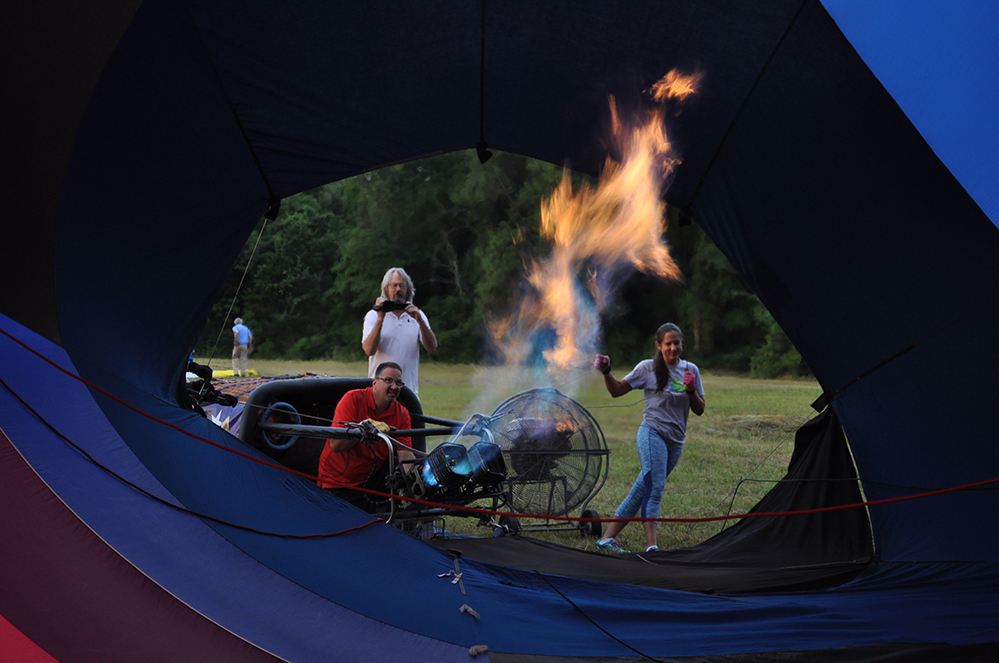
{"x":465,"y":231}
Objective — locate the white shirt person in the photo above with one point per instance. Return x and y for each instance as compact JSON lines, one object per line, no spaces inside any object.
{"x":395,"y":328}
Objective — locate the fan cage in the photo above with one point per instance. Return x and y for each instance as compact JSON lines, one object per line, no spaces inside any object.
{"x":555,"y":451}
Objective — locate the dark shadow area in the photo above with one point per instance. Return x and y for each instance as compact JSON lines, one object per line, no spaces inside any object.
{"x":777,"y":553}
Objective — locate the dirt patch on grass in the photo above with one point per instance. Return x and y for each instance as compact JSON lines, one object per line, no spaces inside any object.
{"x":761,"y":422}
{"x":752,"y":424}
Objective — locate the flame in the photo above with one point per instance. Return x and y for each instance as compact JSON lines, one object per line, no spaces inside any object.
{"x":676,"y":86}
{"x":564,"y":426}
{"x":598,"y":232}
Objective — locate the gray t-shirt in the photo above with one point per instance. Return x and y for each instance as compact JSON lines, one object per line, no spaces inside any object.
{"x":666,"y":411}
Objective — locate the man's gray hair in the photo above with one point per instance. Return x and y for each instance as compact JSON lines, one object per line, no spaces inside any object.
{"x":410,"y":290}
{"x":239,"y":321}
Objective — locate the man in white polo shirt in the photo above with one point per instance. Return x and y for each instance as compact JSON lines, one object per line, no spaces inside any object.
{"x":394,"y":329}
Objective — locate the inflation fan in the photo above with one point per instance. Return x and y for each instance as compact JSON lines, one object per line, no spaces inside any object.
{"x":556,"y":456}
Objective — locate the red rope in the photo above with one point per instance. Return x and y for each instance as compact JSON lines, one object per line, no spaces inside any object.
{"x":706,"y":519}
{"x":489,"y":512}
{"x":151,"y":417}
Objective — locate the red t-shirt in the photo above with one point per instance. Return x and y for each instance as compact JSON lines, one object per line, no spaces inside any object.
{"x":350,"y":468}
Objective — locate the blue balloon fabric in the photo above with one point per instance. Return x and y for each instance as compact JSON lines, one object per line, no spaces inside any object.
{"x":843,"y":159}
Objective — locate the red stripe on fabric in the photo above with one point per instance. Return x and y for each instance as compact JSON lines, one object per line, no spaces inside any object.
{"x":16,"y":647}
{"x":66,"y":590}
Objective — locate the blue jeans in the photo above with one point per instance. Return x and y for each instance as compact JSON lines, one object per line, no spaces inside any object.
{"x":658,"y":458}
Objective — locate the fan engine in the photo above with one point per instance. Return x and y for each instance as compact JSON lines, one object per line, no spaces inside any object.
{"x":556,"y":453}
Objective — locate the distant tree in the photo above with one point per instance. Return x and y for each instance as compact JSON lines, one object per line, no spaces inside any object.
{"x":724,"y":313}
{"x":778,"y":356}
{"x":281,"y":280}
{"x":465,"y":232}
{"x":453,"y":224}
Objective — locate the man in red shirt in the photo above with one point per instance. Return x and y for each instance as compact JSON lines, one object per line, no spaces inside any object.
{"x":346,"y":465}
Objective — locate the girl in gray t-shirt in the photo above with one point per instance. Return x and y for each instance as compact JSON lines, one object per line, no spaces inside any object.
{"x":672,"y":388}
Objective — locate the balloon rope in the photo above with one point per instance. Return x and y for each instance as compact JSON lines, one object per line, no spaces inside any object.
{"x":239,"y":287}
{"x":168,"y":503}
{"x":476,"y":510}
{"x":591,"y":620}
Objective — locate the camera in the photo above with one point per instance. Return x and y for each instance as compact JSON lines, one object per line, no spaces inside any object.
{"x":389,"y":305}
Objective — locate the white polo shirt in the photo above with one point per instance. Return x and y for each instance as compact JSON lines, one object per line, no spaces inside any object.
{"x":400,"y":342}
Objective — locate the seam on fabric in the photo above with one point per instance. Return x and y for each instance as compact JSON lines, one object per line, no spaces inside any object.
{"x":225,"y":93}
{"x":742,"y":106}
{"x":827,"y":397}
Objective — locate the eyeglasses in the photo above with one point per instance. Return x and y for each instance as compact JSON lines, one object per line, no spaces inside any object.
{"x":392,"y":381}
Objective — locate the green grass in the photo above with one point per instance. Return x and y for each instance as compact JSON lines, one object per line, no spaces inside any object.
{"x":733,"y":454}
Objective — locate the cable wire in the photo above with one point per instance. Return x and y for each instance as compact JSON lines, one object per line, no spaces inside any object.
{"x":163,"y":501}
{"x":232,"y":304}
{"x":475,"y":510}
{"x":592,"y":621}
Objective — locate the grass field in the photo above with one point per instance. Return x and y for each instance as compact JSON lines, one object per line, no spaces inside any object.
{"x":733,"y":454}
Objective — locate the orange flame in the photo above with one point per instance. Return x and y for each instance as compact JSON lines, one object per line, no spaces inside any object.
{"x":675,"y":85}
{"x":616,"y":224}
